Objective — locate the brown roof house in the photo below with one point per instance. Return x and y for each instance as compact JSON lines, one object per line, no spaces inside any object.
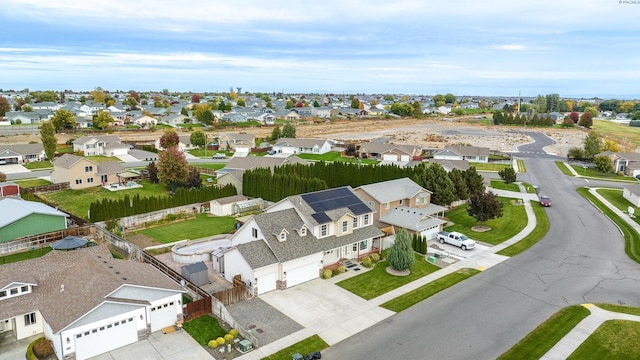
{"x":85,"y":301}
{"x":462,"y":152}
{"x":83,"y":173}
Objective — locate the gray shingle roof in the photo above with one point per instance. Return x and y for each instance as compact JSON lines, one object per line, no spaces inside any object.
{"x":87,"y":275}
{"x":409,"y":218}
{"x":109,"y":167}
{"x":252,"y":162}
{"x":100,"y":138}
{"x":68,"y":160}
{"x":257,"y":254}
{"x":23,"y":149}
{"x":392,"y":190}
{"x":301,"y":143}
{"x":468,"y":150}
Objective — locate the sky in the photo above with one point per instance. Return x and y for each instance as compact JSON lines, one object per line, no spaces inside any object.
{"x":574,"y":48}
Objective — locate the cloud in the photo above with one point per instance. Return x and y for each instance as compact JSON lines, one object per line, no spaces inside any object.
{"x":510,"y":47}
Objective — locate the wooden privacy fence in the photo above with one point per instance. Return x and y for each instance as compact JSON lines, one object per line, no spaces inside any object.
{"x":233,"y":295}
{"x":197,"y":308}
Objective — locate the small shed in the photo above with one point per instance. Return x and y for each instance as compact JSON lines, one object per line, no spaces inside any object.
{"x":197,"y":273}
{"x":70,"y":243}
{"x":9,"y":189}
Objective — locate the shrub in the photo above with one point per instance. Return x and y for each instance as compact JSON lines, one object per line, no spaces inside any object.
{"x":234,"y":332}
{"x":335,"y":272}
{"x":327,"y":274}
{"x":228,"y":338}
{"x":212,"y":343}
{"x":220,"y":341}
{"x":43,"y":348}
{"x":367,"y":262}
{"x":171,"y":217}
{"x":375,"y":257}
{"x":341,"y":269}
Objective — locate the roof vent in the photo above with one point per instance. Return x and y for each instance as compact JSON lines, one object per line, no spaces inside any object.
{"x":118,"y":272}
{"x":124,"y":278}
{"x":61,"y":287}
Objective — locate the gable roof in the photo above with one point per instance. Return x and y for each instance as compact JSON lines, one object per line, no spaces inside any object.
{"x":633,"y":189}
{"x":387,"y":191}
{"x":67,"y":161}
{"x":450,"y":164}
{"x":81,"y":280}
{"x":300,"y":143}
{"x":109,"y":167}
{"x":23,"y":149}
{"x":252,"y":162}
{"x":257,"y":254}
{"x":321,"y":207}
{"x":98,"y":138}
{"x":384,"y":148}
{"x":12,"y":210}
{"x":466,"y":150}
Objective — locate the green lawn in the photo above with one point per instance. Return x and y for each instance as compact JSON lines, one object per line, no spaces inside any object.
{"x":214,"y":166}
{"x":36,"y":165}
{"x":530,"y":189}
{"x":335,"y":156}
{"x":521,"y":167}
{"x":102,"y":158}
{"x":489,"y":166}
{"x":27,"y":183}
{"x":203,"y":225}
{"x":513,"y":220}
{"x":613,"y":130}
{"x":425,"y":291}
{"x":204,"y":329}
{"x":632,"y":238}
{"x":25,"y":255}
{"x":561,"y":165}
{"x":77,"y":201}
{"x":546,"y":335}
{"x":619,"y":308}
{"x":377,"y":281}
{"x":501,"y":185}
{"x":614,"y":196}
{"x":308,"y":345}
{"x":614,"y":339}
{"x":541,"y":229}
{"x":593,"y":173}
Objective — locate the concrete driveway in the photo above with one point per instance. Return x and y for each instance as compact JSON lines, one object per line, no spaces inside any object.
{"x":159,"y":346}
{"x":13,"y":169}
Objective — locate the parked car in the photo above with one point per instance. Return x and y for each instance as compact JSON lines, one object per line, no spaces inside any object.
{"x":219,"y":156}
{"x":545,"y":201}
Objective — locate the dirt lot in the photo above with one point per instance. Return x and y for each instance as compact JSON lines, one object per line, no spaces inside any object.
{"x":428,"y":133}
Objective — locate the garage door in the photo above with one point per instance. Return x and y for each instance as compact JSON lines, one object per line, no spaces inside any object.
{"x":163,"y":315}
{"x":266,"y":283}
{"x":430,"y":233}
{"x":302,"y":274}
{"x":106,"y":338}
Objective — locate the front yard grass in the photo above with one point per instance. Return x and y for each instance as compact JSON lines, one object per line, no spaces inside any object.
{"x":562,"y":167}
{"x":489,"y":166}
{"x":501,"y":185}
{"x":77,"y":202}
{"x":204,"y":329}
{"x":614,"y":196}
{"x":214,"y":166}
{"x":546,"y":335}
{"x":541,"y":229}
{"x":308,"y":345}
{"x":333,"y":156}
{"x":28,"y":183}
{"x":377,"y":281}
{"x":611,"y":340}
{"x":521,"y":167}
{"x":619,"y":308}
{"x":102,"y":158}
{"x":513,"y":220}
{"x":595,"y":174}
{"x":36,"y":165}
{"x":425,"y":291}
{"x":25,"y":255}
{"x":201,"y":226}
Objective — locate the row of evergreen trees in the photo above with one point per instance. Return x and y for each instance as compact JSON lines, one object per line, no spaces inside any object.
{"x":293,"y":179}
{"x":419,"y":243}
{"x":113,"y":209}
{"x":544,"y":120}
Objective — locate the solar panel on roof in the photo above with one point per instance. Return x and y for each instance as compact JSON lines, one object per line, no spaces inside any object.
{"x":321,"y":217}
{"x":331,"y":199}
{"x":359,"y":209}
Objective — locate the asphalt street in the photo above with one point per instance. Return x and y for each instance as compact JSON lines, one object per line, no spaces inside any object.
{"x":580,"y":260}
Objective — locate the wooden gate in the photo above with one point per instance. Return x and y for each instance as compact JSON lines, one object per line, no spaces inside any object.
{"x":197,"y":308}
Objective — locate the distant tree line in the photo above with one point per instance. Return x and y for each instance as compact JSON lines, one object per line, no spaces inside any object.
{"x":107,"y":209}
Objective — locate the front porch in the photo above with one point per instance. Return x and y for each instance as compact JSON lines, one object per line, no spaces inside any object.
{"x":343,"y":260}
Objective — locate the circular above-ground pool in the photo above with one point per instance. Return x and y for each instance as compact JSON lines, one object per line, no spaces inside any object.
{"x":200,"y":250}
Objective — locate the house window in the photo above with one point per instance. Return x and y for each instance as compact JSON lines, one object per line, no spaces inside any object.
{"x":366,"y":219}
{"x":78,"y":181}
{"x":355,"y":222}
{"x":303,"y":231}
{"x":3,"y":294}
{"x":283,"y":236}
{"x":104,"y":178}
{"x":24,"y":289}
{"x":14,"y":291}
{"x":88,"y":169}
{"x":400,"y":201}
{"x":355,"y":247}
{"x":345,"y":226}
{"x":386,"y":205}
{"x":30,"y":319}
{"x":254,"y":232}
{"x":371,"y":204}
{"x":324,"y":230}
{"x":363,"y":245}
{"x":90,"y":180}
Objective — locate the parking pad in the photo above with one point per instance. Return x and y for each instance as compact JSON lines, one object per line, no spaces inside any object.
{"x":263,"y":320}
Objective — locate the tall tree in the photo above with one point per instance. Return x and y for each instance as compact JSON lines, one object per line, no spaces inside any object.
{"x":508,"y":174}
{"x":355,"y":103}
{"x":475,"y":181}
{"x":484,"y":206}
{"x":449,"y":98}
{"x":98,"y":95}
{"x":63,"y":119}
{"x":134,"y":94}
{"x":586,"y":120}
{"x":459,"y":184}
{"x":173,"y":168}
{"x":193,"y":180}
{"x":275,"y":133}
{"x":206,"y":117}
{"x":288,"y":131}
{"x":102,"y":120}
{"x":198,"y":138}
{"x":401,"y":255}
{"x":169,"y":139}
{"x":195,"y":98}
{"x":153,"y":172}
{"x":437,"y":181}
{"x":241,"y":102}
{"x":574,"y":116}
{"x":48,"y":139}
{"x":592,"y":145}
{"x":603,"y":164}
{"x":5,"y":107}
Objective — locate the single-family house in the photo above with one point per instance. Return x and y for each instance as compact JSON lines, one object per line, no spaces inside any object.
{"x":449,"y":165}
{"x":22,"y":117}
{"x":173,"y":119}
{"x":390,"y":152}
{"x":229,"y":141}
{"x":82,"y":173}
{"x":22,"y":153}
{"x":626,"y":162}
{"x":144,"y":121}
{"x":22,"y":218}
{"x":321,"y":112}
{"x":302,"y":146}
{"x":463,"y":152}
{"x":230,"y":176}
{"x":632,"y":194}
{"x":109,"y":145}
{"x":294,"y":239}
{"x":402,"y":203}
{"x":86,"y":302}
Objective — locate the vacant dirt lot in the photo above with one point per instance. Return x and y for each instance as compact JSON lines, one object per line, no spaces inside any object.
{"x":428,"y":133}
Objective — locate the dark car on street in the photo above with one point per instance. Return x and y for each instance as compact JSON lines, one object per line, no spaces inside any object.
{"x":545,"y":201}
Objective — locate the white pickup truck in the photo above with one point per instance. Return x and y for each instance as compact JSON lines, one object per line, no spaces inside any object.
{"x":456,"y":239}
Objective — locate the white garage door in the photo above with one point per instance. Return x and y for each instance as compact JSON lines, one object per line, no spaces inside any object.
{"x":163,"y":315}
{"x":430,"y":234}
{"x":266,"y":283}
{"x":302,"y":274}
{"x":106,"y":338}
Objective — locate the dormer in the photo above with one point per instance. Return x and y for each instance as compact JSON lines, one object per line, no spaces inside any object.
{"x":282,"y":236}
{"x":302,"y":231}
{"x":15,"y":289}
